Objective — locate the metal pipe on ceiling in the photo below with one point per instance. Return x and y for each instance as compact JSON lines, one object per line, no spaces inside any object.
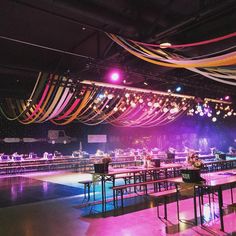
{"x":45,"y":47}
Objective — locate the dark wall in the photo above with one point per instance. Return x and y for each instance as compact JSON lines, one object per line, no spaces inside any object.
{"x":194,"y":132}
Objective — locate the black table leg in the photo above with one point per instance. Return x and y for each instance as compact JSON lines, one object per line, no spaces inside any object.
{"x":220,"y":199}
{"x":114,"y":193}
{"x":200,"y":196}
{"x":195,"y":206}
{"x":231,"y":189}
{"x":103,"y":194}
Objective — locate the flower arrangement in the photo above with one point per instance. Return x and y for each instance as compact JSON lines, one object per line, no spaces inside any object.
{"x":99,"y":153}
{"x":198,"y":164}
{"x":147,"y":160}
{"x":148,"y":157}
{"x":101,"y":166}
{"x":194,"y":160}
{"x":106,"y":160}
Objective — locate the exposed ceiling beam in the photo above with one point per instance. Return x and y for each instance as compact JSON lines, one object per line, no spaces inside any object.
{"x":82,"y":8}
{"x":200,"y":18}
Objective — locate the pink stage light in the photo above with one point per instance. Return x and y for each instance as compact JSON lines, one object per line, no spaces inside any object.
{"x":115,"y":76}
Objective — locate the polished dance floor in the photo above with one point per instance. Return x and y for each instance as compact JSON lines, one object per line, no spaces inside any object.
{"x":51,"y":204}
{"x":23,"y":190}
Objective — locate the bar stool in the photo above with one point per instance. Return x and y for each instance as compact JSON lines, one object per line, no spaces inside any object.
{"x":87,"y":187}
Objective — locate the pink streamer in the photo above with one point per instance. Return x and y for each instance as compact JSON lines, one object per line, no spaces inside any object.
{"x":40,"y":103}
{"x":190,"y":44}
{"x":76,"y":102}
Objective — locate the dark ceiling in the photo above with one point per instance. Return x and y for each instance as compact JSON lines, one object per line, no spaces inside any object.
{"x":63,"y":36}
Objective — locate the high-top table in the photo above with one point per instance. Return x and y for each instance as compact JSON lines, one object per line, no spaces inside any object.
{"x":214,"y":182}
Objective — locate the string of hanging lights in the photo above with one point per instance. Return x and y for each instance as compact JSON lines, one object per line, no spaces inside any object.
{"x":62,"y":100}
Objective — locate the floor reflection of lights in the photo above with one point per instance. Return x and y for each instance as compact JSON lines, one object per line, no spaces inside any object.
{"x":210,"y":213}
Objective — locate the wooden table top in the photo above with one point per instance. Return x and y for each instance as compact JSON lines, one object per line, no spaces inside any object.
{"x":136,"y":169}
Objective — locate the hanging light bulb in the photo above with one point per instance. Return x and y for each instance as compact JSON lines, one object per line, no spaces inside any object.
{"x":165,"y":110}
{"x":133,"y":104}
{"x":127,"y":95}
{"x":165,"y":45}
{"x":110,"y":96}
{"x":140,"y":100}
{"x":214,"y":119}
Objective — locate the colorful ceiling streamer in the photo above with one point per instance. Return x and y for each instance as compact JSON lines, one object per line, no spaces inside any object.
{"x":221,"y":38}
{"x":210,"y":65}
{"x":62,"y":100}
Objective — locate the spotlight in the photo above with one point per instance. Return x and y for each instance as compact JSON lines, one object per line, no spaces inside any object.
{"x":115,"y":76}
{"x":227,"y":97}
{"x":145,"y":83}
{"x":178,"y":89}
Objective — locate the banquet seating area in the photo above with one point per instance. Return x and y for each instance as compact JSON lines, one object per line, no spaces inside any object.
{"x":117,"y":118}
{"x":20,"y":163}
{"x":136,"y":190}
